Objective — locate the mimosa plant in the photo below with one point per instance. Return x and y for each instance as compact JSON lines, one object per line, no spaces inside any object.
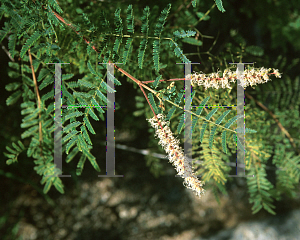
{"x":86,"y":39}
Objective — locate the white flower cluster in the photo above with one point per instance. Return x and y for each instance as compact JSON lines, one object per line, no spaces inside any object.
{"x":250,"y":77}
{"x":175,"y":154}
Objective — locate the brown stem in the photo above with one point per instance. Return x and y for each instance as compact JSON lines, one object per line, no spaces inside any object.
{"x":38,"y":97}
{"x":149,"y":104}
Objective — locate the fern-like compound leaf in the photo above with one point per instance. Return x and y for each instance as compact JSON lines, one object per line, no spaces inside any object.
{"x":71,"y":126}
{"x":258,"y":187}
{"x":142,"y":50}
{"x":92,"y":159}
{"x":13,"y":98}
{"x":130,"y":20}
{"x":85,"y":83}
{"x":220,"y":5}
{"x":12,"y":44}
{"x":238,"y":141}
{"x":5,"y":30}
{"x":213,"y":130}
{"x":152,"y":102}
{"x":130,"y":30}
{"x":232,"y":120}
{"x":198,"y":112}
{"x":227,"y":125}
{"x":14,"y":153}
{"x":83,"y":143}
{"x":204,"y":125}
{"x":224,"y":147}
{"x":161,"y":21}
{"x":179,"y":97}
{"x":69,"y":135}
{"x":48,"y":96}
{"x":156,"y":45}
{"x":74,"y":151}
{"x":80,"y":95}
{"x":184,"y":34}
{"x":180,"y":124}
{"x":157,"y":32}
{"x":55,"y":5}
{"x":247,"y":130}
{"x":107,"y":87}
{"x":69,"y":145}
{"x":170,"y":113}
{"x":96,"y":104}
{"x":119,"y":32}
{"x":144,"y":30}
{"x":89,"y":125}
{"x":91,"y":68}
{"x":194,"y":3}
{"x":156,"y":82}
{"x":101,"y":96}
{"x":57,"y":183}
{"x":192,"y":41}
{"x":80,"y":165}
{"x":178,"y":52}
{"x":91,"y":112}
{"x":85,"y":134}
{"x":113,"y":79}
{"x":255,"y":50}
{"x":35,"y":36}
{"x":66,"y":94}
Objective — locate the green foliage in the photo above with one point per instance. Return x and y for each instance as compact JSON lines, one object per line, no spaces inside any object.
{"x":156,"y":82}
{"x":130,"y":30}
{"x":184,"y":34}
{"x":37,"y":27}
{"x":254,"y":50}
{"x":213,"y":166}
{"x":35,"y":36}
{"x":194,"y":2}
{"x":193,"y":41}
{"x":152,"y":102}
{"x":177,"y":102}
{"x":157,"y":32}
{"x":14,"y":153}
{"x":213,"y":131}
{"x":227,"y":125}
{"x":180,"y":124}
{"x":144,"y":30}
{"x":259,"y":187}
{"x":220,"y":5}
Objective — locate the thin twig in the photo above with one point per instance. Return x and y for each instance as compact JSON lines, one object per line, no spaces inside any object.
{"x":38,"y":97}
{"x":7,"y":52}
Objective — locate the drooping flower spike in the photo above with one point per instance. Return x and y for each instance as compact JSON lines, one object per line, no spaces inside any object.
{"x":175,"y":154}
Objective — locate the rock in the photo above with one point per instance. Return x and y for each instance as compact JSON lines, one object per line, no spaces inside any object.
{"x":281,"y":227}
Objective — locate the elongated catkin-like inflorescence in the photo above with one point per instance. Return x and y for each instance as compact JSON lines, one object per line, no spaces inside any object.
{"x":250,"y":77}
{"x":175,"y":154}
